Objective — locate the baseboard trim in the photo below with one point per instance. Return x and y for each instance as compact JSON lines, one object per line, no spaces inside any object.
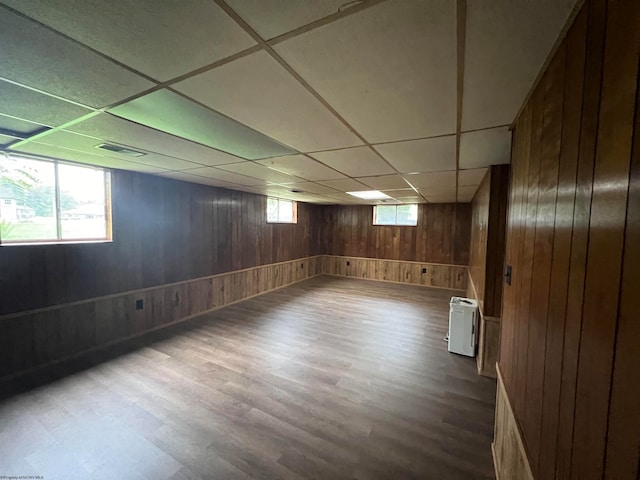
{"x":41,"y":338}
{"x":100,"y":347}
{"x":510,"y":457}
{"x":148,"y":289}
{"x":458,"y":290}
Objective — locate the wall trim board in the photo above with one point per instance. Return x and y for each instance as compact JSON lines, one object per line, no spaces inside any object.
{"x":460,"y":290}
{"x":147,"y":289}
{"x":36,"y":339}
{"x":449,"y":277}
{"x":398,"y":261}
{"x":510,"y":458}
{"x":489,"y":336}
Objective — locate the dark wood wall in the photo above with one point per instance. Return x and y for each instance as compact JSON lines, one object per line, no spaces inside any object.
{"x":441,"y":236}
{"x":570,"y":338}
{"x":488,"y":225}
{"x":164,"y":231}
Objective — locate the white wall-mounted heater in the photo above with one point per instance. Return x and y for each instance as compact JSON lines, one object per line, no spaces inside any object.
{"x":463,"y":326}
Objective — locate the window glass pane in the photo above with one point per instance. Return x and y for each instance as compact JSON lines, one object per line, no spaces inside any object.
{"x":272,"y":209}
{"x":82,"y":202}
{"x":285,"y":211}
{"x":407,"y":214}
{"x":27,"y":200}
{"x":385,"y":214}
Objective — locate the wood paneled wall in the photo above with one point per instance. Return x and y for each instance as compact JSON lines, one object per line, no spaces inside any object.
{"x":486,"y":261}
{"x":441,"y":236}
{"x":40,"y":337}
{"x":509,"y":455}
{"x":569,"y":350}
{"x":165,"y":231}
{"x":488,"y":236}
{"x":452,"y":277}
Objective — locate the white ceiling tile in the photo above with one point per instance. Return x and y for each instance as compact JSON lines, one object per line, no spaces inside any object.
{"x":354,"y":162}
{"x":187,"y":177}
{"x":389,"y":70}
{"x":301,"y":166}
{"x":88,"y":159}
{"x":6,"y":140}
{"x":438,"y":190}
{"x":114,"y":129}
{"x":471,"y":177}
{"x":433,"y":179}
{"x":160,"y":39}
{"x":18,"y":125}
{"x":37,"y":107}
{"x":269,"y":190}
{"x":345,"y":185}
{"x":465,"y":194}
{"x":275,"y":17}
{"x":87,"y":145}
{"x":192,"y":121}
{"x":252,"y":169}
{"x":483,"y":148}
{"x":311,"y":187}
{"x":35,"y":56}
{"x":427,"y":155}
{"x":384,"y":182}
{"x":404,"y":192}
{"x":411,"y":199}
{"x":445,"y":198}
{"x":507,"y":43}
{"x":346,"y":199}
{"x":256,"y":91}
{"x":224,"y":176}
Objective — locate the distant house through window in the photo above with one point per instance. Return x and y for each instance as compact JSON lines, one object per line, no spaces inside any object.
{"x":406,"y":215}
{"x":281,"y":211}
{"x":50,"y":201}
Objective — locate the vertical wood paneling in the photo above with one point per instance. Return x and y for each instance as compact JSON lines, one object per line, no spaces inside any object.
{"x":441,"y":236}
{"x":591,"y":24}
{"x":606,"y":236}
{"x":623,"y":434}
{"x":553,"y":87}
{"x":524,"y":265}
{"x":32,"y":339}
{"x":569,"y":350}
{"x":164,"y":231}
{"x":571,"y":122}
{"x":487,"y":245}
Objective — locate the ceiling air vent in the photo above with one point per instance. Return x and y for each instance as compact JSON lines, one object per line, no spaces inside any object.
{"x":118,"y":149}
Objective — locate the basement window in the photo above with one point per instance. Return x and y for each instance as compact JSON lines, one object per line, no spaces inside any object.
{"x":406,"y":215}
{"x":46,"y":201}
{"x":281,"y":211}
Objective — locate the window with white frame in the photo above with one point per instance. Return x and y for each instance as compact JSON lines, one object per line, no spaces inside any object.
{"x":281,"y":211}
{"x":46,"y":201}
{"x":406,"y":215}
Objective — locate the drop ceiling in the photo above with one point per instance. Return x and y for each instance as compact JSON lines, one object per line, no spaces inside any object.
{"x":301,"y":100}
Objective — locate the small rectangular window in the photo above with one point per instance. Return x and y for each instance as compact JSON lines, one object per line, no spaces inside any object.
{"x":406,"y":215}
{"x":281,"y":211}
{"x":50,"y":201}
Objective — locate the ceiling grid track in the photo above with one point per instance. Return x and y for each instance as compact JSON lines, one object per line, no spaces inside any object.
{"x":461,"y":29}
{"x":232,"y":13}
{"x":402,"y":134}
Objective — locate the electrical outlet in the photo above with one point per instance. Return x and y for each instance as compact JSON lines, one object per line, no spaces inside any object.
{"x":424,"y":270}
{"x":139,"y":304}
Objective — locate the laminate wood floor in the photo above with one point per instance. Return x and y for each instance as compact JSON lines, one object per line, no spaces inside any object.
{"x":330,"y":378}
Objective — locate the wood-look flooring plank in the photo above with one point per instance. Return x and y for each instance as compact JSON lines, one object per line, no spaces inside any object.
{"x":328,"y":378}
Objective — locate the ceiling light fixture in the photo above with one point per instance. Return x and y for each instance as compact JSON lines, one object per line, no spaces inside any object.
{"x":370,"y":195}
